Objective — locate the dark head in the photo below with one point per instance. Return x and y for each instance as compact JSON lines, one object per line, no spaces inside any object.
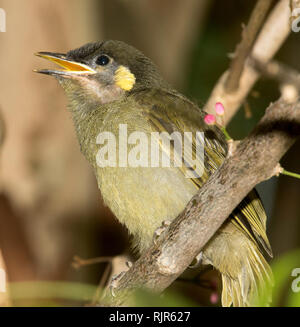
{"x":106,"y":71}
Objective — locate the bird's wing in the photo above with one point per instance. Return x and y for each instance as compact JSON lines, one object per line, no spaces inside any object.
{"x":171,"y":112}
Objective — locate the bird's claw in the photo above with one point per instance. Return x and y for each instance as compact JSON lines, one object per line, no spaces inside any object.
{"x":114,"y":283}
{"x":197,"y":261}
{"x":116,"y":278}
{"x":129,"y":264}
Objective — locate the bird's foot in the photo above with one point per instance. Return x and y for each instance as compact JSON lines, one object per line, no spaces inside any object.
{"x":116,"y":278}
{"x":197,"y":261}
{"x":165,"y":224}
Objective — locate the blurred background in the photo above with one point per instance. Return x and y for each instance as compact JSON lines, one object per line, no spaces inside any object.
{"x":50,"y":207}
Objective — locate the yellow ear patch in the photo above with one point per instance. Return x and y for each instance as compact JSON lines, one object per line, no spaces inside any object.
{"x":124,"y":78}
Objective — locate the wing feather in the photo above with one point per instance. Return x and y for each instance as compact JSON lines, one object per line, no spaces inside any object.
{"x":176,"y":113}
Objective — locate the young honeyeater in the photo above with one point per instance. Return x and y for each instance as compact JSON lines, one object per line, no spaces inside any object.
{"x":111,"y":83}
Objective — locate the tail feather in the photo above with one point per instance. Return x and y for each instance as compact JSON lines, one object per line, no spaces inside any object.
{"x":250,"y":282}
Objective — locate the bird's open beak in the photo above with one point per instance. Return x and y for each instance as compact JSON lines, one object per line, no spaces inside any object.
{"x":70,"y":68}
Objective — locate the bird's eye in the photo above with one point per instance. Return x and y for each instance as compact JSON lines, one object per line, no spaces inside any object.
{"x":102,"y":60}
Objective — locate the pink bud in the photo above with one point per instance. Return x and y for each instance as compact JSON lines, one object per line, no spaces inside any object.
{"x":219,"y":109}
{"x":214,"y":298}
{"x":210,"y":119}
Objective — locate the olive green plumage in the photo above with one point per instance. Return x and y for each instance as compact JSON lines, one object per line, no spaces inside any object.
{"x":142,"y":197}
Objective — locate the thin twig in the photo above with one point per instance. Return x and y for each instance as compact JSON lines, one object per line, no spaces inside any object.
{"x":102,"y":284}
{"x":79,"y":262}
{"x":278,"y":71}
{"x":273,"y":34}
{"x":2,"y":130}
{"x":244,"y":48}
{"x":4,"y":292}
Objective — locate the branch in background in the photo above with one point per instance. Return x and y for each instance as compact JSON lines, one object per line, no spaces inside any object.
{"x":252,"y":161}
{"x":244,"y":48}
{"x":273,"y":34}
{"x":2,"y":130}
{"x":287,"y":77}
{"x":4,"y":295}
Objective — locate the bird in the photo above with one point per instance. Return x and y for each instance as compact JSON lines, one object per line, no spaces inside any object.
{"x":110,"y":84}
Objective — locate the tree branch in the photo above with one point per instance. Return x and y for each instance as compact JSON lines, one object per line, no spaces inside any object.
{"x":252,"y":161}
{"x":273,"y":34}
{"x":244,"y":48}
{"x":287,"y":77}
{"x":2,"y":130}
{"x":278,"y":71}
{"x":4,"y":294}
